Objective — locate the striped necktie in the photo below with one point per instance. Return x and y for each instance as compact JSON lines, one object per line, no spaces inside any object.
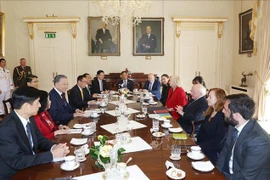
{"x":29,"y":136}
{"x":82,"y":94}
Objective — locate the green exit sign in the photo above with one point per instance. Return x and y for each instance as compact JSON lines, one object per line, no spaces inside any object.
{"x":50,"y":35}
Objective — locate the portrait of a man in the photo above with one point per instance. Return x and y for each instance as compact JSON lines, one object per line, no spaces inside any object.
{"x":245,"y":42}
{"x":148,"y":37}
{"x":103,"y":39}
{"x":2,"y":34}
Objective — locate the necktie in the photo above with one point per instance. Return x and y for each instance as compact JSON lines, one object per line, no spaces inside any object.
{"x":29,"y":134}
{"x":150,"y":87}
{"x":88,"y":89}
{"x":228,"y":157}
{"x":100,"y":86}
{"x":125,"y":83}
{"x":82,"y":94}
{"x":64,"y":98}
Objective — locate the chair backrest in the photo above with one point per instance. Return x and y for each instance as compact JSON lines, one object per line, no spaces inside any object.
{"x":68,"y":94}
{"x":8,"y":106}
{"x":193,"y":124}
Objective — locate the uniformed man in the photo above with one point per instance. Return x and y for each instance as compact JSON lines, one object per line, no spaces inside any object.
{"x":20,"y":73}
{"x":6,"y":84}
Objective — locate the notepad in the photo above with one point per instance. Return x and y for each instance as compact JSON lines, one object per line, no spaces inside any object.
{"x":181,"y":136}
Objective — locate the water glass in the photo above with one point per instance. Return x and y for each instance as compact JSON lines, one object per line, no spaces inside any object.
{"x":113,"y":157}
{"x":117,"y":112}
{"x":144,"y":109}
{"x":176,"y":151}
{"x":122,"y":123}
{"x":155,"y":125}
{"x":79,"y":154}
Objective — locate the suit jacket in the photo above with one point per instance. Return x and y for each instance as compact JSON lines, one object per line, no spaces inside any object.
{"x":251,"y":157}
{"x":16,"y":152}
{"x":60,"y":112}
{"x":106,"y":38}
{"x":176,"y":98}
{"x":164,"y":93}
{"x":212,"y":135}
{"x":20,"y":74}
{"x":193,"y":111}
{"x":144,"y":40}
{"x":76,"y":100}
{"x":155,"y":88}
{"x":95,"y":86}
{"x":130,"y":84}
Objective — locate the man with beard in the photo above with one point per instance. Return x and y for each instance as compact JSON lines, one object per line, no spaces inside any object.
{"x":246,"y":154}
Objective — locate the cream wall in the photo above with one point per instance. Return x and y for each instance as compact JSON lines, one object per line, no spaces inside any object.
{"x":17,"y":40}
{"x":240,"y":61}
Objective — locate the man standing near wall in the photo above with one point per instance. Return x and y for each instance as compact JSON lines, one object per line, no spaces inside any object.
{"x":20,"y":73}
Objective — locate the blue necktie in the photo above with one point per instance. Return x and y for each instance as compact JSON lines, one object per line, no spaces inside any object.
{"x":228,"y":157}
{"x":125,"y":83}
{"x":150,"y":87}
{"x":29,"y":134}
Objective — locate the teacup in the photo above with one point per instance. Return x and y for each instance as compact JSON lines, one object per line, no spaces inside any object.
{"x":125,"y":137}
{"x":167,"y":122}
{"x":135,"y":90}
{"x":195,"y":151}
{"x":102,"y":103}
{"x":70,"y":162}
{"x":94,"y":114}
{"x":86,"y":129}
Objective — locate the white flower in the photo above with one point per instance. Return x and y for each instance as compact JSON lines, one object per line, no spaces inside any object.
{"x":105,"y":150}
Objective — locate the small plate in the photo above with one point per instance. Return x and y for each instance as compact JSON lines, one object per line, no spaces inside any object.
{"x":78,"y":141}
{"x":95,"y":116}
{"x":84,"y":159}
{"x":175,"y":159}
{"x":87,"y":134}
{"x":153,"y":103}
{"x":175,"y":130}
{"x":145,"y":104}
{"x":158,"y":134}
{"x":163,"y":125}
{"x":203,"y":166}
{"x":103,"y":105}
{"x":200,"y":157}
{"x":140,"y":116}
{"x":64,"y":167}
{"x":175,"y":173}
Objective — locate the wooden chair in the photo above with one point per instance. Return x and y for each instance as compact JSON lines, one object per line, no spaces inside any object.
{"x":193,"y":123}
{"x":8,"y":106}
{"x":189,"y":97}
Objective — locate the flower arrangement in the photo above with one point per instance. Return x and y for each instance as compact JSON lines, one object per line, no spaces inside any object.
{"x":101,"y":152}
{"x":123,"y":91}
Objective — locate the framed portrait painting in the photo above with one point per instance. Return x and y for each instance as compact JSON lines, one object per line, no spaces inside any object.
{"x":148,"y":37}
{"x":2,"y":34}
{"x":245,"y":42}
{"x":103,"y":39}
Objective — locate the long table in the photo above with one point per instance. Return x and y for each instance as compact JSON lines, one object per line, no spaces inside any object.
{"x":151,"y":162}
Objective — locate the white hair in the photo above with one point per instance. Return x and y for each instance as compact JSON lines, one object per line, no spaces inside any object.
{"x":200,"y":88}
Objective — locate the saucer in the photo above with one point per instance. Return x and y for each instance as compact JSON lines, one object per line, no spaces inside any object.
{"x":203,"y":166}
{"x":158,"y":134}
{"x":199,"y":157}
{"x":153,"y":103}
{"x":81,"y":160}
{"x":87,"y":134}
{"x":95,"y":116}
{"x":64,"y":167}
{"x":175,"y":173}
{"x":102,"y":105}
{"x":175,"y":159}
{"x":175,"y":130}
{"x":169,"y":126}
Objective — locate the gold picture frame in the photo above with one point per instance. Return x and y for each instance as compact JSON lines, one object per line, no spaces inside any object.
{"x":2,"y":34}
{"x":245,"y":42}
{"x":110,"y":45}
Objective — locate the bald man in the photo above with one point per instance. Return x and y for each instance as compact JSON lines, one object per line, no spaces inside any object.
{"x":194,"y":109}
{"x":148,"y":42}
{"x":152,"y":85}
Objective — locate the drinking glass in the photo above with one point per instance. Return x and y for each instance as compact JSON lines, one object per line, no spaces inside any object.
{"x":155,"y":125}
{"x":79,"y":153}
{"x":176,"y":151}
{"x":144,"y":109}
{"x":117,"y":112}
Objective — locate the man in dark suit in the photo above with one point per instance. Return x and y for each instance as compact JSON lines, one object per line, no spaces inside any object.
{"x":78,"y":96}
{"x":246,"y":154}
{"x":32,"y":81}
{"x":104,"y":39}
{"x":21,"y":143}
{"x":99,"y":85}
{"x":88,"y":86}
{"x":148,"y":42}
{"x":194,"y":109}
{"x":152,"y":85}
{"x":60,"y":110}
{"x":20,"y":73}
{"x":125,"y":82}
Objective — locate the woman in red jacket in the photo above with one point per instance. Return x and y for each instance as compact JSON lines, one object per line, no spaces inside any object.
{"x":44,"y":121}
{"x":176,"y":97}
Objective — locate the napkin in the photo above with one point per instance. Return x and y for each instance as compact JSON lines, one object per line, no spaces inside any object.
{"x":169,"y":164}
{"x":112,"y":128}
{"x":127,"y":102}
{"x":78,"y":141}
{"x":75,"y":131}
{"x":203,"y":165}
{"x":80,"y":126}
{"x":153,"y":115}
{"x":129,"y":111}
{"x":135,"y":173}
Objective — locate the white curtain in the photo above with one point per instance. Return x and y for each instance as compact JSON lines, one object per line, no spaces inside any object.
{"x":263,"y":42}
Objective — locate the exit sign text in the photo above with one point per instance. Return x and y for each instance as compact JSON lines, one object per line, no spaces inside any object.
{"x":50,"y":35}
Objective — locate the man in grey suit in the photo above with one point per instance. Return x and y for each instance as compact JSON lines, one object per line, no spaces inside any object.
{"x":246,"y":154}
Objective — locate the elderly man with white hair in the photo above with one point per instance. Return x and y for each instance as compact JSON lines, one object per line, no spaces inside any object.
{"x":152,"y":85}
{"x":194,"y":109}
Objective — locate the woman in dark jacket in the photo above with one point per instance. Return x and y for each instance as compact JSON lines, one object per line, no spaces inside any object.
{"x":211,"y":136}
{"x":165,"y":88}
